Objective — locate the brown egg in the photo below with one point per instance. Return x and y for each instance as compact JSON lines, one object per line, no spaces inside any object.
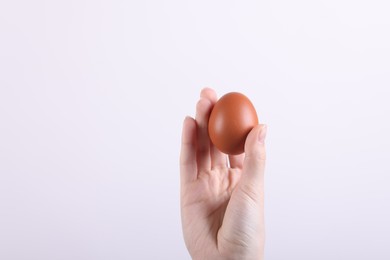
{"x":231,"y":120}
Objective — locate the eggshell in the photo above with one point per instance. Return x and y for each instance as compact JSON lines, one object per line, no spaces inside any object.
{"x":231,"y":120}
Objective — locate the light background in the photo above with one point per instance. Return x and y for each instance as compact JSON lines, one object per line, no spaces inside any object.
{"x":92,"y":98}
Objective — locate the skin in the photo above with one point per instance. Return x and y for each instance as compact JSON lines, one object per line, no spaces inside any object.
{"x":222,"y":197}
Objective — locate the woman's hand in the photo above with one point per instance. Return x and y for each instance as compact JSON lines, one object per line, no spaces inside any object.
{"x":222,"y":197}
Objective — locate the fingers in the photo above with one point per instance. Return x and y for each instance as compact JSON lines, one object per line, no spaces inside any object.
{"x":254,"y":162}
{"x":236,"y":161}
{"x":188,"y":169}
{"x":203,"y":109}
{"x":218,"y":159}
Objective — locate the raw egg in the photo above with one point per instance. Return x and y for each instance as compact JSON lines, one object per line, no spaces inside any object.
{"x":231,"y":120}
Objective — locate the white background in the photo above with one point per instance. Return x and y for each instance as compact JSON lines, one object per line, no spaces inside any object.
{"x":92,"y":98}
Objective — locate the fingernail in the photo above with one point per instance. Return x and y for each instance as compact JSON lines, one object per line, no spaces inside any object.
{"x":186,"y":119}
{"x":262,"y":134}
{"x":204,"y":90}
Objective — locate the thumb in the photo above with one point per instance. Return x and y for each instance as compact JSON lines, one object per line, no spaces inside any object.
{"x":254,"y":162}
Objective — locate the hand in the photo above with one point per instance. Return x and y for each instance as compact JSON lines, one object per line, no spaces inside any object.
{"x":222,"y":207}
